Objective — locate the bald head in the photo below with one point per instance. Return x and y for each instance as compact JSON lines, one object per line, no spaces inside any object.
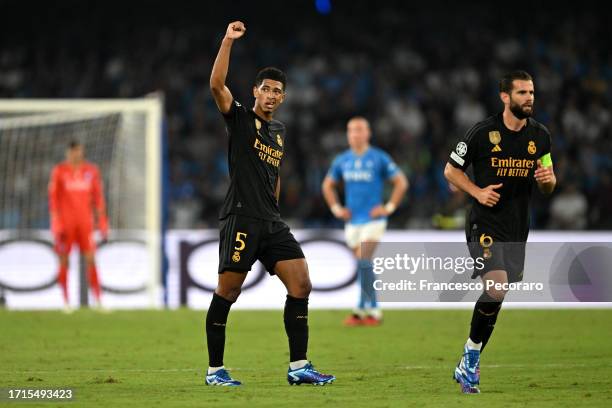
{"x":358,"y":133}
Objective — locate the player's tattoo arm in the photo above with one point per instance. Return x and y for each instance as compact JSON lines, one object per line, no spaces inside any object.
{"x":221,"y":93}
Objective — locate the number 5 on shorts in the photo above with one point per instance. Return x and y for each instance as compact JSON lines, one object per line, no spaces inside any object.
{"x":240,"y":244}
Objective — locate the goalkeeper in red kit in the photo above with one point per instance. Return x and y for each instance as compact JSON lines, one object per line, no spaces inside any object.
{"x":76,"y":201}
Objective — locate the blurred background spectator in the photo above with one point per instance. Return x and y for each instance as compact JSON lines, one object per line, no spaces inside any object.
{"x":422,"y":73}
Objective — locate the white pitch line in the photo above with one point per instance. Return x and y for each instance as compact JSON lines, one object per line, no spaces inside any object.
{"x":105,"y":370}
{"x":547,"y":365}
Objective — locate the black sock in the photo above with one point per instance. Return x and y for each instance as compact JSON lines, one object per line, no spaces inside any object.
{"x":216,"y":319}
{"x":296,"y":326}
{"x":490,"y":327}
{"x":483,"y":319}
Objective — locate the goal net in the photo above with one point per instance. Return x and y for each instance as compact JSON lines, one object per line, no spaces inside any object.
{"x":123,"y":138}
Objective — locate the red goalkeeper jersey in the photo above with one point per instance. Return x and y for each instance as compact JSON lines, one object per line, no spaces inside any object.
{"x":74,"y":192}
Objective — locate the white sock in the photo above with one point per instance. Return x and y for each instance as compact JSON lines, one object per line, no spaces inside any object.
{"x":296,"y":365}
{"x":473,"y":346}
{"x":375,"y":313}
{"x":212,"y":370}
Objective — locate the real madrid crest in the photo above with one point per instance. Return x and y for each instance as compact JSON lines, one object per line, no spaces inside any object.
{"x":531,"y":148}
{"x":279,"y":140}
{"x":257,"y":124}
{"x":236,"y":257}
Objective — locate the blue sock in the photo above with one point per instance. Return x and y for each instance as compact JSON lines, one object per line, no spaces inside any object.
{"x":362,"y":288}
{"x":367,"y":273}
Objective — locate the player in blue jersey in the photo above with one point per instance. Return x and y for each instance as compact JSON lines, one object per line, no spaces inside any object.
{"x":363,"y":169}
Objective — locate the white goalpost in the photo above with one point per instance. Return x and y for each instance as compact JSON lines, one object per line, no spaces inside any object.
{"x":123,"y":137}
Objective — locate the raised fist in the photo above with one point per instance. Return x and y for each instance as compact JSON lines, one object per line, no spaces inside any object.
{"x":235,"y":30}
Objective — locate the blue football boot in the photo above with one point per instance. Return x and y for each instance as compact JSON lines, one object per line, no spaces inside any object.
{"x":221,"y":377}
{"x":308,"y":375}
{"x":467,"y":372}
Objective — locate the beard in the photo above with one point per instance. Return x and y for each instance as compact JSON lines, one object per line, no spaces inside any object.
{"x":519,"y":112}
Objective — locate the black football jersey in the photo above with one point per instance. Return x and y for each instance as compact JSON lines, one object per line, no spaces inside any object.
{"x":500,"y":155}
{"x":255,"y":154}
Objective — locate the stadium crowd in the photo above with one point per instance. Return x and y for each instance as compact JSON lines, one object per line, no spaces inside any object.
{"x":422,"y":75}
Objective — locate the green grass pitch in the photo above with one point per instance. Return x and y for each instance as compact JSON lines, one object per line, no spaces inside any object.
{"x":539,"y":358}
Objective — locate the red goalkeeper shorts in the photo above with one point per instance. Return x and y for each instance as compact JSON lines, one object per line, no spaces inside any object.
{"x":83,"y":237}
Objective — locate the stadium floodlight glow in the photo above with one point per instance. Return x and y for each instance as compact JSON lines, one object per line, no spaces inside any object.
{"x":323,"y":6}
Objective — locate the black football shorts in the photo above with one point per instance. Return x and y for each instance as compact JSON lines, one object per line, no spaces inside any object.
{"x":496,"y":253}
{"x":244,"y":240}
